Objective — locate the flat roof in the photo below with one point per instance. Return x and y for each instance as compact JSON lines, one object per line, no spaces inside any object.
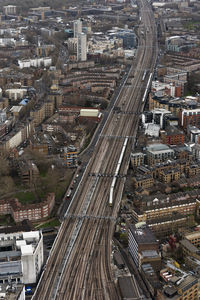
{"x":150,"y":253}
{"x":11,"y":253}
{"x":11,"y":267}
{"x":127,"y":288}
{"x":143,"y":235}
{"x":157,"y":147}
{"x":187,"y":244}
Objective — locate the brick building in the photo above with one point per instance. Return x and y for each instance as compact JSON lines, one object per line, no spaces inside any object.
{"x":149,"y":208}
{"x":172,"y":136}
{"x":189,"y":117}
{"x":32,"y":212}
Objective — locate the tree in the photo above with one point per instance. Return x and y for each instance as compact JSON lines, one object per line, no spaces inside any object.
{"x":4,"y":167}
{"x":6,"y":185}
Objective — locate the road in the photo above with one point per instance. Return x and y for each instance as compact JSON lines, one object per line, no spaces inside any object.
{"x":79,"y":265}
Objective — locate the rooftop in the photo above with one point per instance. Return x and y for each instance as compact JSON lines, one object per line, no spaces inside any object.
{"x":143,"y":235}
{"x":187,"y":244}
{"x":11,"y":267}
{"x":127,"y":288}
{"x":157,"y":147}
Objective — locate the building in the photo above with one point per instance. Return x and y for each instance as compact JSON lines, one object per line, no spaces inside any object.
{"x":150,"y":278}
{"x":168,"y":176}
{"x":70,"y":156}
{"x":35,"y":62}
{"x":189,"y":249}
{"x":77,"y":28}
{"x":38,"y":113}
{"x":189,"y":117}
{"x":128,"y":37}
{"x":185,"y":287}
{"x":23,"y":261}
{"x":16,"y":94}
{"x":165,"y":225}
{"x":44,"y":50}
{"x":72,"y":45}
{"x":10,"y":9}
{"x":143,"y":246}
{"x":128,"y":288}
{"x":157,"y":153}
{"x":55,"y":96}
{"x":137,"y":159}
{"x":193,"y":170}
{"x":17,"y":135}
{"x":194,"y":238}
{"x":28,"y":172}
{"x":8,"y":291}
{"x":158,"y":116}
{"x":32,"y":212}
{"x":172,"y":136}
{"x":118,"y":260}
{"x":81,"y":47}
{"x":151,"y":208}
{"x":145,"y":181}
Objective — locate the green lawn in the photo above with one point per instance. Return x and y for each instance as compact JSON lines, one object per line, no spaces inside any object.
{"x":26,"y":197}
{"x":51,"y":223}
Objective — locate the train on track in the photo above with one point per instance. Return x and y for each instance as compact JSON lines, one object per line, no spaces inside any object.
{"x":117,"y":172}
{"x":147,"y":88}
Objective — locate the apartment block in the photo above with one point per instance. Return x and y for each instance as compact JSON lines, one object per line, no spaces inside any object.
{"x":194,"y":238}
{"x":165,"y":225}
{"x":157,"y":153}
{"x":143,"y":246}
{"x":32,"y":212}
{"x":145,"y":181}
{"x":18,"y":135}
{"x":172,"y":136}
{"x":71,"y":156}
{"x":168,"y":176}
{"x":193,"y":170}
{"x":137,"y":159}
{"x":10,"y":9}
{"x":55,"y":96}
{"x":149,"y":208}
{"x":189,"y":117}
{"x":189,"y":249}
{"x":38,"y":114}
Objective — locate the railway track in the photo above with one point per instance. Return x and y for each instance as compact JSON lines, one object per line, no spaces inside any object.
{"x":79,"y":264}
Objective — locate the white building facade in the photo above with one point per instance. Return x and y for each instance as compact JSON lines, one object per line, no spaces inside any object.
{"x":24,"y":260}
{"x":82,"y":47}
{"x":77,"y":28}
